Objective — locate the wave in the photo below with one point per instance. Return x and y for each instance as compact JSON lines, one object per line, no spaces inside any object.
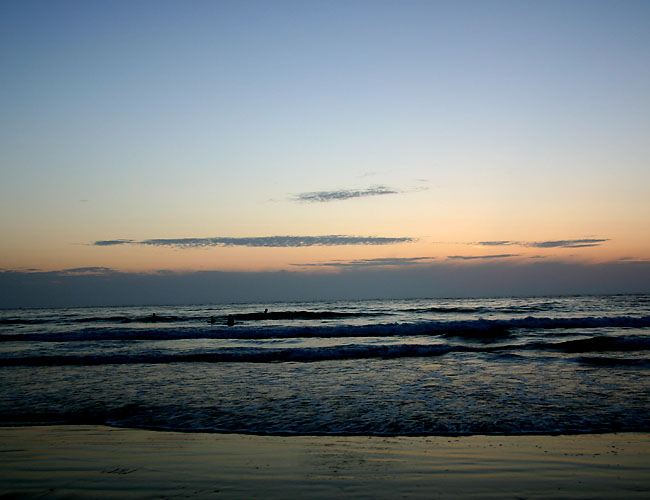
{"x":92,"y":319}
{"x":107,"y":319}
{"x":24,"y":321}
{"x":242,"y":355}
{"x":452,"y":309}
{"x":476,"y":329}
{"x":221,"y":318}
{"x":284,"y":315}
{"x":509,"y":309}
{"x":599,"y":344}
{"x":614,"y":361}
{"x":525,"y":309}
{"x":161,"y":417}
{"x":341,"y":352}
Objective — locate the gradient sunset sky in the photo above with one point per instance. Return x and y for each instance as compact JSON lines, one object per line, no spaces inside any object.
{"x":322,"y":137}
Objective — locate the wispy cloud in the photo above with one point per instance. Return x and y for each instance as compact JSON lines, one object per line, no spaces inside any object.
{"x":582,"y":243}
{"x":378,"y":262}
{"x":87,"y":270}
{"x":23,"y":270}
{"x":588,"y":242}
{"x":633,"y":259}
{"x":367,"y":174}
{"x":108,"y":243}
{"x":496,"y":243}
{"x":483,"y":257}
{"x":262,"y":241}
{"x":342,"y":194}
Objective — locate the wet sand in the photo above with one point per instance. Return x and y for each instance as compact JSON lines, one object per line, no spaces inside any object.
{"x":104,"y":462}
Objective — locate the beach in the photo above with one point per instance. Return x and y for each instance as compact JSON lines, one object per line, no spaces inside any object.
{"x":91,"y":461}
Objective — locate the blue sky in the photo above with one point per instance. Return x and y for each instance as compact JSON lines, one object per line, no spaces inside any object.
{"x":428,"y":126}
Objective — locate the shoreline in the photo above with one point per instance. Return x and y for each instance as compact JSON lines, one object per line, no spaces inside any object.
{"x":82,"y":461}
{"x":287,"y":434}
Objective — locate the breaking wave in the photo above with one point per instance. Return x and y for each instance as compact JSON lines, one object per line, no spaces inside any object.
{"x":477,"y":329}
{"x":340,"y":352}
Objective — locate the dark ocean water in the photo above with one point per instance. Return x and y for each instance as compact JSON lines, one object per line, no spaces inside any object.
{"x":405,"y":367}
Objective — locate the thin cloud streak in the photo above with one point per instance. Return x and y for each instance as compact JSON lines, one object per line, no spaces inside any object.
{"x":378,"y":262}
{"x":583,"y":243}
{"x":88,"y":270}
{"x":590,"y":242}
{"x":496,"y":243}
{"x":633,"y":259}
{"x":481,"y":257}
{"x":107,"y":243}
{"x":342,"y":194}
{"x":262,"y":241}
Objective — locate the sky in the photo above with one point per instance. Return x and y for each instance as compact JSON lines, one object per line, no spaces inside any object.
{"x":346,"y":145}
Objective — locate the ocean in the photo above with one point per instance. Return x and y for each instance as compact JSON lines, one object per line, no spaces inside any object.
{"x":542,"y":365}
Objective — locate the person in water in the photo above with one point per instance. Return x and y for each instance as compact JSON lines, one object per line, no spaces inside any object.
{"x":212,"y":320}
{"x":231,"y":320}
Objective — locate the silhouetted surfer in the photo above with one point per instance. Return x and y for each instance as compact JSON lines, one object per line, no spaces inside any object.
{"x":231,"y":320}
{"x":212,"y":320}
{"x":154,"y":318}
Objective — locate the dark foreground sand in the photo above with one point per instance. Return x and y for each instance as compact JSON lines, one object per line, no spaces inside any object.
{"x":104,"y":462}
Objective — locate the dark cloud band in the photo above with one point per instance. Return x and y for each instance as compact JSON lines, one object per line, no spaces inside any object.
{"x":261,"y":241}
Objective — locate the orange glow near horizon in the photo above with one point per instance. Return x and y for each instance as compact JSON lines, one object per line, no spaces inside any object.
{"x":144,"y":258}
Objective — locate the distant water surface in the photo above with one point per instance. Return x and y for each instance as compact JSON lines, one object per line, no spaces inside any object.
{"x":405,"y":367}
